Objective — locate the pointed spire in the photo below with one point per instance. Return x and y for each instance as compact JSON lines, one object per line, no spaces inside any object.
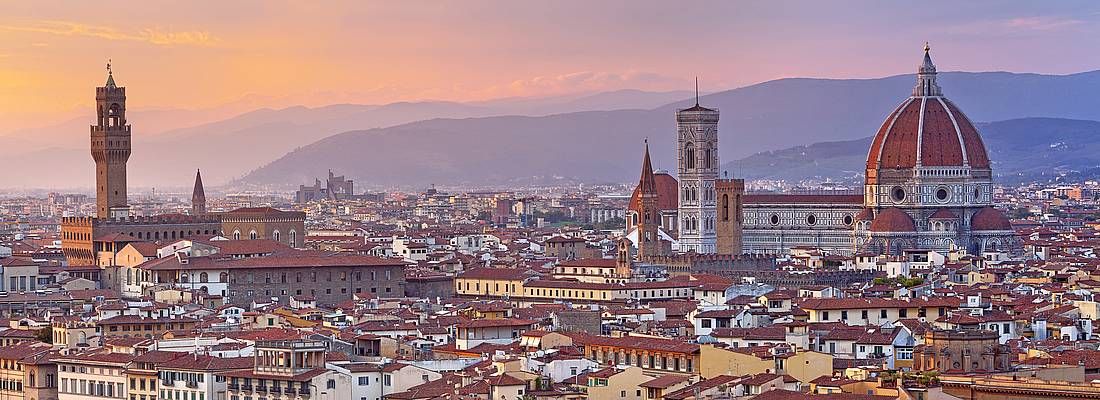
{"x":926,"y":76}
{"x":110,"y":77}
{"x":647,"y":183}
{"x":198,"y":196}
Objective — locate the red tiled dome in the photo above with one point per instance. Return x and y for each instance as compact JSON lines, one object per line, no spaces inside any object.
{"x":927,"y":130}
{"x":990,"y":219}
{"x":668,"y":190}
{"x":943,"y":213}
{"x":930,"y":130}
{"x":893,"y":220}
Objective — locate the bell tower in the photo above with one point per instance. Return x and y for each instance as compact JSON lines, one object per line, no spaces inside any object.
{"x":697,"y":140}
{"x":649,"y":241}
{"x":110,"y":149}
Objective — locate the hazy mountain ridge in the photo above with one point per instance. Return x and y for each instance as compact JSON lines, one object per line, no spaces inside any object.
{"x":1025,"y":148}
{"x":768,"y":116}
{"x":165,"y":154}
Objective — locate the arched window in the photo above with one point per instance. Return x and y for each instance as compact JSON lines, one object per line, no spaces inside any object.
{"x":276,"y":235}
{"x":689,"y":156}
{"x":706,"y":162}
{"x":293,"y":237}
{"x":223,"y":277}
{"x":184,"y":278}
{"x":236,"y":235}
{"x":725,"y":207}
{"x":252,"y":235}
{"x":203,"y":277}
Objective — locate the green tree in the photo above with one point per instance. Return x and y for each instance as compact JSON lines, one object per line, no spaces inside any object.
{"x":45,"y":335}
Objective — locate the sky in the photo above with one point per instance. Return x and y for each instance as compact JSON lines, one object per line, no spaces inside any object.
{"x":210,"y":54}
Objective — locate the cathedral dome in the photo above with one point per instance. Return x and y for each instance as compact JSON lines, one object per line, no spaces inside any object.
{"x":927,"y":130}
{"x":668,"y":190}
{"x":990,"y":219}
{"x":943,"y":213}
{"x":893,"y":220}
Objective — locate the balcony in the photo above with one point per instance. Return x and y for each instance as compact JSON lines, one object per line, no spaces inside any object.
{"x":276,"y":389}
{"x":233,"y":386}
{"x":192,"y":384}
{"x":247,"y":386}
{"x":304,"y":391}
{"x":261,"y":388}
{"x":291,"y":391}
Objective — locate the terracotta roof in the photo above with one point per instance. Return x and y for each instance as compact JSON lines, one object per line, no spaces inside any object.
{"x":893,"y":220}
{"x":990,"y":219}
{"x":667,"y":189}
{"x":931,"y":129}
{"x":665,"y":381}
{"x":943,"y":213}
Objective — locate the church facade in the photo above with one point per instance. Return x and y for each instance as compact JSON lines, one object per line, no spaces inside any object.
{"x":928,"y":185}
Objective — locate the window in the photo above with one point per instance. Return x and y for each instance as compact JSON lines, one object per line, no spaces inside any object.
{"x":331,"y":384}
{"x":706,"y":323}
{"x":689,"y":156}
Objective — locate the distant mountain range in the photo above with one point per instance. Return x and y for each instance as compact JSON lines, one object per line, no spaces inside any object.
{"x":166,"y":153}
{"x":1026,"y":148}
{"x":591,"y":138}
{"x":605,"y":146}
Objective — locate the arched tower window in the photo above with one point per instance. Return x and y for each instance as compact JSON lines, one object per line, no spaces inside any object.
{"x":689,"y":156}
{"x":709,"y":157}
{"x":252,"y":235}
{"x":725,"y":207}
{"x":236,"y":235}
{"x":276,"y":235}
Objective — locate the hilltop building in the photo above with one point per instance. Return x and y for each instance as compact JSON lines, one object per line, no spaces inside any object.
{"x":334,"y":188}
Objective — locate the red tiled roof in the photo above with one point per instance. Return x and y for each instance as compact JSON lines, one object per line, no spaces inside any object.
{"x":922,"y":127}
{"x":668,"y":190}
{"x":893,"y":220}
{"x":990,"y":219}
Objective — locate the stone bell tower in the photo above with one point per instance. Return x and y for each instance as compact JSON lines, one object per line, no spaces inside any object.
{"x":110,"y":149}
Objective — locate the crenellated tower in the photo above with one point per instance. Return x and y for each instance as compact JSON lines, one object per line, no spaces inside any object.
{"x":110,"y":146}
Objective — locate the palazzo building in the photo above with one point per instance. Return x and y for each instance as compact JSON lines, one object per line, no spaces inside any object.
{"x":928,"y":185}
{"x":93,"y":240}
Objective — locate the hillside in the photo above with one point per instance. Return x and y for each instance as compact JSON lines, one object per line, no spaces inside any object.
{"x":1027,"y":148}
{"x":769,"y":116}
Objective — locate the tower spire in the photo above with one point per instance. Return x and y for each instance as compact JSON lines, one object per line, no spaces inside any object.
{"x":110,"y":77}
{"x":697,"y":91}
{"x":198,"y":196}
{"x":647,"y":183}
{"x":926,"y":76}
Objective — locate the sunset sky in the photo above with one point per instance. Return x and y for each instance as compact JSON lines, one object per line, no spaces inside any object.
{"x":266,"y":53}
